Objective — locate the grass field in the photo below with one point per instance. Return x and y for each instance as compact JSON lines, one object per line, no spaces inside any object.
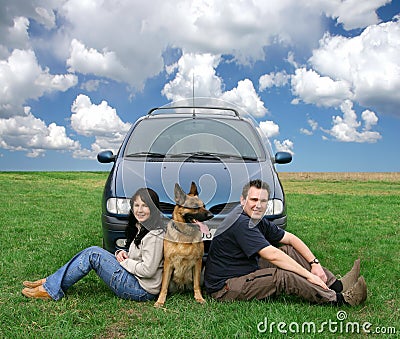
{"x":47,"y":217}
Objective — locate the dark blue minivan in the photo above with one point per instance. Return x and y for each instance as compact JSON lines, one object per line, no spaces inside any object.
{"x":218,"y":148}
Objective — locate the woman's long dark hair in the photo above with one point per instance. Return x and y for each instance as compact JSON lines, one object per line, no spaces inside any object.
{"x":151,"y":199}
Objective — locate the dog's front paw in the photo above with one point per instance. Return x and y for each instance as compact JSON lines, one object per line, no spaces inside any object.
{"x":158,"y":304}
{"x":200,"y":300}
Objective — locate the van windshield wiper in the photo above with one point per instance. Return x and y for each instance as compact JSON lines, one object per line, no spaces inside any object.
{"x":238,"y":156}
{"x":203,"y":155}
{"x":146,"y":154}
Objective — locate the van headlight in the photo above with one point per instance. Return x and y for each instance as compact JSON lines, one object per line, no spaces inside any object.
{"x":118,"y":206}
{"x":275,"y":207}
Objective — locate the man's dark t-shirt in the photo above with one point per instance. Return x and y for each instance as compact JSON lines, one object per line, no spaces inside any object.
{"x":234,"y":252}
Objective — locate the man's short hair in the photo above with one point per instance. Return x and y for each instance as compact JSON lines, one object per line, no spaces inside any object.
{"x":257,"y":183}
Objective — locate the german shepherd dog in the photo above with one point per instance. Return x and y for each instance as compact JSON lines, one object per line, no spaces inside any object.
{"x":183,"y":244}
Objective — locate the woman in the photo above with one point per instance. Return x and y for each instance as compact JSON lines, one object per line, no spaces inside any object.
{"x":135,"y":275}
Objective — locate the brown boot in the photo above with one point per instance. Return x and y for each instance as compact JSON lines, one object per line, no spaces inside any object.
{"x":351,"y":277}
{"x":37,"y":292}
{"x":357,"y":294}
{"x":33,"y":284}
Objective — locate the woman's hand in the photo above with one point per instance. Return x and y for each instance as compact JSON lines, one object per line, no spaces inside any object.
{"x":121,"y":255}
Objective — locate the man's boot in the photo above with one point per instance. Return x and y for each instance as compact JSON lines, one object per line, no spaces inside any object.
{"x":351,"y":277}
{"x":357,"y":294}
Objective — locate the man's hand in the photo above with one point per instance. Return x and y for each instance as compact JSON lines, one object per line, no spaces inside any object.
{"x":278,"y":258}
{"x":319,"y":272}
{"x":314,"y":279}
{"x":302,"y":248}
{"x":121,"y":255}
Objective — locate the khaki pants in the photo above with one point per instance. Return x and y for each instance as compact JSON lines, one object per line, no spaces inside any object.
{"x":270,"y":280}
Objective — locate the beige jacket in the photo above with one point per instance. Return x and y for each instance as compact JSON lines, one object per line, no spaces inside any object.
{"x":146,"y":262}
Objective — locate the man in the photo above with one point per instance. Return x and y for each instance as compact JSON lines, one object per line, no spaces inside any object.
{"x":243,"y":262}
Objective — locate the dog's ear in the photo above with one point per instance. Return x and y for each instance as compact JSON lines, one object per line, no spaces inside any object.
{"x":180,"y":195}
{"x":193,"y":189}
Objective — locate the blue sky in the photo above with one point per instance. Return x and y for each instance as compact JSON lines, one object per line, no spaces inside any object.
{"x":321,"y":77}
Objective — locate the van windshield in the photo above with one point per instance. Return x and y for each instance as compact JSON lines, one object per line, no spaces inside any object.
{"x":200,"y":137}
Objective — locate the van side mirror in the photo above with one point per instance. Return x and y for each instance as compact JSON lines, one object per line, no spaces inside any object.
{"x":283,"y":157}
{"x":106,"y":157}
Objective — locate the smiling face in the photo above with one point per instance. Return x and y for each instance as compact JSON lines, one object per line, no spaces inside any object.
{"x":140,"y":210}
{"x":256,"y":203}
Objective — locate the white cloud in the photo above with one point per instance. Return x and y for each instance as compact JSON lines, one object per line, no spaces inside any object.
{"x":245,"y":96}
{"x":42,"y":11}
{"x":90,"y":119}
{"x":354,"y":13}
{"x":27,"y":133}
{"x":208,"y":84}
{"x":313,"y":124}
{"x":91,"y":61}
{"x":46,"y":16}
{"x":346,"y":128}
{"x":369,"y":64}
{"x":100,"y":121}
{"x":278,"y":79}
{"x":197,"y":68}
{"x":369,"y":118}
{"x":93,"y":85}
{"x":101,"y":143}
{"x":22,"y":78}
{"x":306,"y":131}
{"x":135,"y":42}
{"x":312,"y":88}
{"x":291,"y":59}
{"x":270,"y":128}
{"x":126,"y":42}
{"x":364,"y":69}
{"x":17,"y":36}
{"x":284,"y":146}
{"x":132,"y":35}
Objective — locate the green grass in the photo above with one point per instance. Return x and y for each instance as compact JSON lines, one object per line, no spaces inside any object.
{"x":47,"y":217}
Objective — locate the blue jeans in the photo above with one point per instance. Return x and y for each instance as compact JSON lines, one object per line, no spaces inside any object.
{"x":124,"y":284}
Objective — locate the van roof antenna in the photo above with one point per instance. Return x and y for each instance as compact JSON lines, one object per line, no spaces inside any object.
{"x":194,"y":113}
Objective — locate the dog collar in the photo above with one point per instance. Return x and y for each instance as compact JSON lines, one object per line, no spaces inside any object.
{"x":180,"y":231}
{"x":188,"y":206}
